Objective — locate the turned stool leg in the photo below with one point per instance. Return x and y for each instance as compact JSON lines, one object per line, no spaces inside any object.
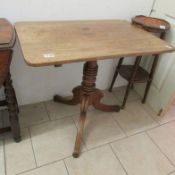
{"x":126,"y":94}
{"x":116,"y":74}
{"x":12,"y":108}
{"x":131,"y":81}
{"x":150,"y":78}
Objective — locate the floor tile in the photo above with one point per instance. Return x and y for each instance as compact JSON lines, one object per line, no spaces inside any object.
{"x":134,"y":118}
{"x":140,"y":156}
{"x":53,"y":140}
{"x":6,"y":121}
{"x":2,"y":162}
{"x":119,"y":93}
{"x":58,"y":110}
{"x":100,"y":128}
{"x":164,"y":137}
{"x":19,"y":156}
{"x":109,"y":98}
{"x":95,"y":162}
{"x":32,"y":114}
{"x":51,"y":169}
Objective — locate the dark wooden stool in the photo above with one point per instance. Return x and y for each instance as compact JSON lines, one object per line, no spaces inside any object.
{"x":135,"y":73}
{"x":7,"y":40}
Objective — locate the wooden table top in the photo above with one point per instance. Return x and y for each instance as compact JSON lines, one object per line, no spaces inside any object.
{"x":59,"y":42}
{"x":7,"y":34}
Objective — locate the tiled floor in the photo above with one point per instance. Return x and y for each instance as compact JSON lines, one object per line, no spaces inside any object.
{"x":132,"y":142}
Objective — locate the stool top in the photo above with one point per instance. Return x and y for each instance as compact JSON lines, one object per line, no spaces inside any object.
{"x":7,"y":34}
{"x":155,"y":25}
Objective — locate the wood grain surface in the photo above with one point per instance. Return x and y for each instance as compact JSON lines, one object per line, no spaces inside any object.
{"x":59,"y":42}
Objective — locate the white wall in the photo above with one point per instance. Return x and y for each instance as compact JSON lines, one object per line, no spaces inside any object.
{"x":39,"y":84}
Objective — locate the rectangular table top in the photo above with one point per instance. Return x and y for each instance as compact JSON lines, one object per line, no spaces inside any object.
{"x":59,"y":42}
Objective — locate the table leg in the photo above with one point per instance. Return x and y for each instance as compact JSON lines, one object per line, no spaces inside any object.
{"x":73,"y":101}
{"x":86,"y":94}
{"x":83,"y":110}
{"x":97,"y":96}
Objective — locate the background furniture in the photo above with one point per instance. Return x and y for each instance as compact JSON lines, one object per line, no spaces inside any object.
{"x":135,"y":73}
{"x":7,"y":40}
{"x":74,"y":41}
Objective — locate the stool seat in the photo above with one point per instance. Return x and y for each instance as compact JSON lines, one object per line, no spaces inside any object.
{"x":141,"y":75}
{"x":150,"y":24}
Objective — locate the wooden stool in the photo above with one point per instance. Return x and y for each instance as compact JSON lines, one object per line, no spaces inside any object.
{"x":7,"y":40}
{"x":135,"y":73}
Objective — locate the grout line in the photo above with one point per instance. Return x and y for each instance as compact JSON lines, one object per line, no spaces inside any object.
{"x":171,"y":121}
{"x":66,"y":116}
{"x":118,"y":159}
{"x":123,"y":138}
{"x":171,"y":173}
{"x":35,"y":124}
{"x":50,"y":120}
{"x":120,"y":139}
{"x":50,"y":163}
{"x":145,"y":130}
{"x":116,"y":140}
{"x":58,"y":118}
{"x":119,"y":125}
{"x":160,"y":149}
{"x":47,"y":164}
{"x":158,"y":124}
{"x":66,"y":166}
{"x":109,"y":143}
{"x":71,"y":116}
{"x":5,"y":163}
{"x":30,"y":136}
{"x":104,"y":144}
{"x":26,"y":171}
{"x":62,"y":117}
{"x":150,"y":115}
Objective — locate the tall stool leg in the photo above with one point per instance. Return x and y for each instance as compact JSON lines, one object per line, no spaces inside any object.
{"x":126,"y":94}
{"x":116,"y":74}
{"x":12,"y":108}
{"x":150,"y":78}
{"x":131,"y":81}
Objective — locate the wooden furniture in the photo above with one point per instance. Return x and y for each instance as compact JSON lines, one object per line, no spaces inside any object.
{"x":61,"y":42}
{"x":135,"y":73}
{"x":7,"y":40}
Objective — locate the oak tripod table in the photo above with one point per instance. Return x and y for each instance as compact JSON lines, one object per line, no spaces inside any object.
{"x":62,"y":42}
